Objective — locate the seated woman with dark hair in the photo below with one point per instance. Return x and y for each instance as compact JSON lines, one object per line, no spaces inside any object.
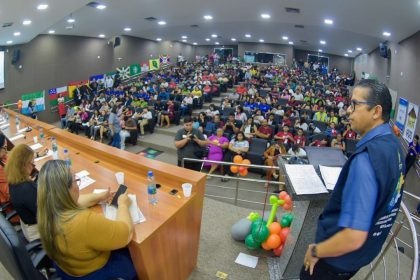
{"x":239,"y":145}
{"x":82,"y":243}
{"x":338,"y":142}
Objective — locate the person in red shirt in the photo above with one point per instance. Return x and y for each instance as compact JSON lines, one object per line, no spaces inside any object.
{"x":320,"y":143}
{"x":264,"y":131}
{"x":286,"y":121}
{"x":349,"y":133}
{"x":300,"y":138}
{"x":285,"y":136}
{"x":241,"y":90}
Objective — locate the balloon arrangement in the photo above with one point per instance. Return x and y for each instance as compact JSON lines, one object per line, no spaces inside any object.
{"x":268,"y":234}
{"x":19,"y":104}
{"x":243,"y":170}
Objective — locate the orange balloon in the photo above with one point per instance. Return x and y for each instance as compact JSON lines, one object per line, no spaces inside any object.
{"x":234,"y":169}
{"x":273,"y":241}
{"x":242,"y":168}
{"x":265,"y":246}
{"x":288,"y":206}
{"x":278,"y":250}
{"x":282,"y":194}
{"x":287,"y":199}
{"x":237,"y":159}
{"x":274,"y":228}
{"x":396,"y":130}
{"x":244,"y":172}
{"x":246,"y":161}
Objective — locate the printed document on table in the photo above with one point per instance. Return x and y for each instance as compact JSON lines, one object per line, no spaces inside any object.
{"x":35,"y":146}
{"x":330,"y":175}
{"x":304,"y":179}
{"x":18,"y":136}
{"x":135,"y":213}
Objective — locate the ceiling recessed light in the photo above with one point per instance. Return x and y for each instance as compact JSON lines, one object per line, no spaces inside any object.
{"x":261,"y":40}
{"x":9,"y":42}
{"x":100,"y":7}
{"x":158,"y":39}
{"x":290,"y":43}
{"x":328,"y":21}
{"x":184,"y":37}
{"x":346,"y":54}
{"x":322,"y":42}
{"x":16,"y":33}
{"x":387,"y":34}
{"x":184,"y":40}
{"x":194,"y":43}
{"x":319,"y":50}
{"x":207,"y":39}
{"x":248,"y":35}
{"x":101,"y":36}
{"x":51,"y":31}
{"x":208,"y":17}
{"x":216,"y":43}
{"x":127,"y":29}
{"x":162,"y":22}
{"x":285,"y":38}
{"x":266,"y":16}
{"x":214,"y":35}
{"x":71,"y":20}
{"x":359,"y":49}
{"x":349,"y":51}
{"x":26,"y":22}
{"x":42,"y":6}
{"x":233,"y":39}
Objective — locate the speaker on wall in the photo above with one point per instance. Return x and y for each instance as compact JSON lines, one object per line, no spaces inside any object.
{"x":117,"y":42}
{"x":383,"y":50}
{"x":15,"y":56}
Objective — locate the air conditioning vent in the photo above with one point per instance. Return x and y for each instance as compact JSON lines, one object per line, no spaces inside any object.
{"x":7,"y":24}
{"x":151,"y":18}
{"x":299,"y":26}
{"x":194,"y":25}
{"x":292,"y":10}
{"x":303,"y":41}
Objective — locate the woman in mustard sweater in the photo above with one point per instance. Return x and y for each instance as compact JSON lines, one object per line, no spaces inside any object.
{"x":82,"y":243}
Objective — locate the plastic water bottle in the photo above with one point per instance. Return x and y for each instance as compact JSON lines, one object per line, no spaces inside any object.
{"x":151,"y":188}
{"x":54,"y":148}
{"x":41,"y":136}
{"x":17,"y":123}
{"x":67,"y":157}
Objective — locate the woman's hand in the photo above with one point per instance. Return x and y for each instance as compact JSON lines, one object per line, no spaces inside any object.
{"x":124,"y":199}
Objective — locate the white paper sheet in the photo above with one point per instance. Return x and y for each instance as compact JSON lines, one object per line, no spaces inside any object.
{"x":19,"y":136}
{"x":35,"y":146}
{"x":330,"y":175}
{"x":247,"y":260}
{"x":99,"y":190}
{"x":22,"y":130}
{"x":49,"y":154}
{"x":4,"y":126}
{"x":82,"y":173}
{"x":304,"y":179}
{"x":3,"y":122}
{"x":135,"y":213}
{"x":85,"y":181}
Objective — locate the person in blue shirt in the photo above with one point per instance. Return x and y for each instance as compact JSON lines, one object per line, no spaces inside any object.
{"x":264,"y":107}
{"x":413,"y":154}
{"x":365,"y":202}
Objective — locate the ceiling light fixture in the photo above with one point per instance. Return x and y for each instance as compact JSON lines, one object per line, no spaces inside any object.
{"x":386,"y":34}
{"x":261,"y":40}
{"x":290,"y":43}
{"x":359,"y":49}
{"x":328,"y":21}
{"x":184,"y":37}
{"x":101,"y":36}
{"x":322,"y":42}
{"x":26,"y":22}
{"x":214,"y":35}
{"x":195,"y":43}
{"x":100,"y":7}
{"x":16,"y":33}
{"x":248,"y":35}
{"x":346,"y":54}
{"x":319,"y":50}
{"x":9,"y":42}
{"x":51,"y":31}
{"x":127,"y":29}
{"x":265,"y":16}
{"x":207,"y":39}
{"x":162,"y":22}
{"x":216,"y":43}
{"x":285,"y":38}
{"x":158,"y":39}
{"x":184,"y":40}
{"x":233,"y":39}
{"x":349,"y":51}
{"x":42,"y":6}
{"x":71,"y":19}
{"x":208,"y":17}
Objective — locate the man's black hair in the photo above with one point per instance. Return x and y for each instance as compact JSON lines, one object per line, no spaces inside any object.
{"x":378,"y":94}
{"x":188,"y":119}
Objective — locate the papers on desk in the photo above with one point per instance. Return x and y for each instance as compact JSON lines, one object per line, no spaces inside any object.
{"x":304,"y":179}
{"x":16,"y":137}
{"x":35,"y":146}
{"x":3,"y":122}
{"x":330,"y":175}
{"x":22,"y":130}
{"x":85,"y":180}
{"x":49,"y":154}
{"x":135,"y":213}
{"x":247,"y":260}
{"x":4,"y":126}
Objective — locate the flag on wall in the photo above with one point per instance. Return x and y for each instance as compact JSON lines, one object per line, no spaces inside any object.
{"x":154,"y":64}
{"x":73,"y":85}
{"x":135,"y":69}
{"x":54,"y":92}
{"x":124,"y":72}
{"x":97,"y":78}
{"x":38,"y":100}
{"x":164,"y":58}
{"x":144,"y":67}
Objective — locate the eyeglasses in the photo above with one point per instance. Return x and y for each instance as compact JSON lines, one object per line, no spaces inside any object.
{"x":355,"y":102}
{"x":77,"y":180}
{"x":4,"y":148}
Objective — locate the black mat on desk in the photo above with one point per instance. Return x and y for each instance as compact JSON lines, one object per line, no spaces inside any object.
{"x":325,"y":156}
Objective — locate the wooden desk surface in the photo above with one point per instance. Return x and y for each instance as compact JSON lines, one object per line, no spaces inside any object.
{"x":166,"y":245}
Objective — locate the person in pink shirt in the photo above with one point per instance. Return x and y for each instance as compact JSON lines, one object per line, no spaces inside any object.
{"x":285,"y":136}
{"x":217,"y":144}
{"x":300,"y":138}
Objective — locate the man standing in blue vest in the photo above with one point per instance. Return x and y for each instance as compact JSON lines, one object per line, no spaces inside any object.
{"x":364,"y":204}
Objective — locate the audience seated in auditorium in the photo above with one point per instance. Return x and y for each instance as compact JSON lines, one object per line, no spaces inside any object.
{"x":239,"y":145}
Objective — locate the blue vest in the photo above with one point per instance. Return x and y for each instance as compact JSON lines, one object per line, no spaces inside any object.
{"x":387,"y":161}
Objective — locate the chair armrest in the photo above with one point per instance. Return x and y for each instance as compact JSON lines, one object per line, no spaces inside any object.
{"x":38,"y":257}
{"x":36,"y":244}
{"x":11,"y":215}
{"x":3,"y":206}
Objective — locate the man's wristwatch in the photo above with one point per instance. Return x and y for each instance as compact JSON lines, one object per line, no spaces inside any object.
{"x":314,"y":252}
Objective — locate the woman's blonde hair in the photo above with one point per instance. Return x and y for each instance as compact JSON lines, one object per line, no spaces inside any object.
{"x":55,"y":203}
{"x":17,"y":163}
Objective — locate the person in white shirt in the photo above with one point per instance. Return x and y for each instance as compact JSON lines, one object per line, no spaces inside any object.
{"x":145,"y":116}
{"x":296,"y":150}
{"x":109,"y":82}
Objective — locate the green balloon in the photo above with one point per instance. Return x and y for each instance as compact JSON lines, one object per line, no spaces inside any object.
{"x":258,"y":223}
{"x":251,"y":243}
{"x":289,"y":218}
{"x":260,"y":234}
{"x":284,"y":222}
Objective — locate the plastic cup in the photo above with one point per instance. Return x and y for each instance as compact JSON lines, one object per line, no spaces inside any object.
{"x":186,"y":188}
{"x":35,"y":139}
{"x":120,"y":178}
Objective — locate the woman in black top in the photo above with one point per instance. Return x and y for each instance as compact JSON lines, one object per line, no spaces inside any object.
{"x":23,"y":189}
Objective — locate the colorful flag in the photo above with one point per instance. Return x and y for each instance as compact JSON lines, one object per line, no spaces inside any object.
{"x":97,"y":78}
{"x":135,"y":69}
{"x":124,"y":72}
{"x":54,"y":92}
{"x":73,"y":85}
{"x":164,"y":58}
{"x":154,"y":64}
{"x":144,"y":67}
{"x":38,"y":100}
